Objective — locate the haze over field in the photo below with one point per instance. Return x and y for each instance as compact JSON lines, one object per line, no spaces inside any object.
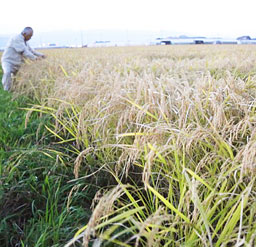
{"x":122,"y":21}
{"x":82,"y":37}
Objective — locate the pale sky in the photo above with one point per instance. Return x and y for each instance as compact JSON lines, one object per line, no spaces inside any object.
{"x":228,"y":18}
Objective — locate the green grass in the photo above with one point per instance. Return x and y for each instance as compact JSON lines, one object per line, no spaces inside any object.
{"x":34,"y":184}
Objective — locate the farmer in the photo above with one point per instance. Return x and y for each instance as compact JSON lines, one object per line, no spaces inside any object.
{"x":16,"y":50}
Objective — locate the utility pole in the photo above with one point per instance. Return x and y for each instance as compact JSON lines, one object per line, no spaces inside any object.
{"x":82,"y":38}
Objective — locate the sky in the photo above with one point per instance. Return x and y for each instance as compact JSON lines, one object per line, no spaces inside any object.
{"x":222,"y":18}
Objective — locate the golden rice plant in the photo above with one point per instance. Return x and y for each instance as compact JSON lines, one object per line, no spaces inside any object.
{"x":173,"y":126}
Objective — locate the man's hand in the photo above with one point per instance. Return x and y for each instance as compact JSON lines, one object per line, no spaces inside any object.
{"x":40,"y":57}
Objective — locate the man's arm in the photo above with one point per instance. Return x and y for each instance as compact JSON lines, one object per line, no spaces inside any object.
{"x":29,"y":54}
{"x":38,"y":54}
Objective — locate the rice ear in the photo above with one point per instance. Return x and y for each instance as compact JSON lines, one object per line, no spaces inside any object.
{"x":79,"y":160}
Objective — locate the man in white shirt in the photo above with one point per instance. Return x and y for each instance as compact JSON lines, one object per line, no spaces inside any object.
{"x":16,"y":50}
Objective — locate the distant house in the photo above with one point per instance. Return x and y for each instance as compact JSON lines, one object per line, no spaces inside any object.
{"x":166,"y":42}
{"x":244,"y":38}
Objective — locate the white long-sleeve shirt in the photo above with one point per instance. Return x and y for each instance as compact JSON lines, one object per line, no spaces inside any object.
{"x":17,"y":48}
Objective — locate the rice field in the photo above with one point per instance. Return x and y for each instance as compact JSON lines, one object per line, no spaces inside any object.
{"x":165,"y":134}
